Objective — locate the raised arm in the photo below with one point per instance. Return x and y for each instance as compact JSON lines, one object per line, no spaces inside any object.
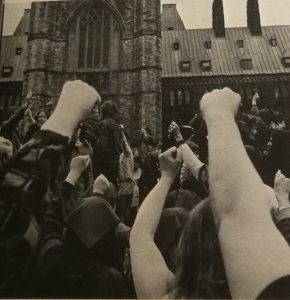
{"x":255,"y":254}
{"x":25,"y":177}
{"x":150,"y":272}
{"x":124,"y":143}
{"x":191,"y":161}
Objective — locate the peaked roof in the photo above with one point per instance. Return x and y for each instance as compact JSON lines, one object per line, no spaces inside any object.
{"x":9,"y":58}
{"x":171,"y":18}
{"x":23,"y":26}
{"x":225,"y":53}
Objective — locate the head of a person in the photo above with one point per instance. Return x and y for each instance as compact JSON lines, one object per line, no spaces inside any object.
{"x":109,"y":110}
{"x":41,"y":116}
{"x":200,"y":267}
{"x":150,"y":144}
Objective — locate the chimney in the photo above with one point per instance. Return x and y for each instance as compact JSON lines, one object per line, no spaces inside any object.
{"x":254,"y":20}
{"x":170,"y":18}
{"x":218,"y":19}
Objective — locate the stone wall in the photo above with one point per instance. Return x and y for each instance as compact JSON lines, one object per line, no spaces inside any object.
{"x":135,"y":86}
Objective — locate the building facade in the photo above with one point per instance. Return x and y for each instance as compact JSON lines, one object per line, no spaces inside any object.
{"x":153,"y":67}
{"x":249,"y":60}
{"x":113,"y":45}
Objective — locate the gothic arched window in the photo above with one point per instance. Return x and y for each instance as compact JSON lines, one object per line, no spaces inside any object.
{"x":172,"y":98}
{"x":94,"y":40}
{"x":180,"y":98}
{"x":187,"y":96}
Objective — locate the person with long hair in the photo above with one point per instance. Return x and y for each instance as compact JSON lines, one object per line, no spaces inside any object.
{"x":35,"y":123}
{"x":199,"y":270}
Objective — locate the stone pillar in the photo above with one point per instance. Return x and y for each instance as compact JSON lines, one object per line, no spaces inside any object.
{"x":44,"y":72}
{"x":147,"y":66}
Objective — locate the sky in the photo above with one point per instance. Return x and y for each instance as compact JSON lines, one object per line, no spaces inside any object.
{"x":195,"y":13}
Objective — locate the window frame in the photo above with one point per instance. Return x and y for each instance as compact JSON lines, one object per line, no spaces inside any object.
{"x":185,"y":66}
{"x":246,"y":64}
{"x":206,"y":65}
{"x":7,"y":74}
{"x":97,"y":63}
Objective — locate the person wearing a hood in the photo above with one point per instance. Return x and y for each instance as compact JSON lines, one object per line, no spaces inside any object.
{"x":85,"y":259}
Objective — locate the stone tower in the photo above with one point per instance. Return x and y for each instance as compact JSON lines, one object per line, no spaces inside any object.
{"x":114,"y":45}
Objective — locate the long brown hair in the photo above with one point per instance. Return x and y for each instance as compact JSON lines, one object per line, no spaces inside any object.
{"x":200,"y":267}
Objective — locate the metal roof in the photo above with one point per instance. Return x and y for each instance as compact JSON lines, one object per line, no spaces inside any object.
{"x":225,"y":54}
{"x":171,"y":18}
{"x":9,"y":58}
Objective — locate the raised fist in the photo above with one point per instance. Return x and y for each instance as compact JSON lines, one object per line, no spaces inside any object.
{"x":170,"y":163}
{"x":174,"y":129}
{"x":220,"y":103}
{"x":6,"y":146}
{"x":77,"y":100}
{"x":78,"y":165}
{"x":282,"y":189}
{"x":101,"y":184}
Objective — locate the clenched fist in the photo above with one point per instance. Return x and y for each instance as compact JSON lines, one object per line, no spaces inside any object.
{"x":78,"y":99}
{"x":101,"y":184}
{"x":6,"y":146}
{"x":76,"y":102}
{"x":78,"y":165}
{"x":282,"y":189}
{"x":220,"y":103}
{"x":170,"y":163}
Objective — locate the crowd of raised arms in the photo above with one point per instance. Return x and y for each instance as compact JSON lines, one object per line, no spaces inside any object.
{"x":87,"y":212}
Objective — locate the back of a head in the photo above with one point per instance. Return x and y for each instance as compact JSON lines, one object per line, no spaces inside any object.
{"x":109,"y":109}
{"x":182,"y":198}
{"x":200,"y":268}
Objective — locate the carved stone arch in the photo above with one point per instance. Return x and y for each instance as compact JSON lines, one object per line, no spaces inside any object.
{"x":107,"y":3}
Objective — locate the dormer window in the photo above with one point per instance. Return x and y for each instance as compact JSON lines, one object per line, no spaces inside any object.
{"x":207,"y":44}
{"x":185,"y":66}
{"x":240,"y":43}
{"x":176,"y":45}
{"x":170,"y":28}
{"x":7,"y":71}
{"x":205,"y":65}
{"x":246,"y":64}
{"x":273,"y":41}
{"x":286,"y":61}
{"x":18,"y":51}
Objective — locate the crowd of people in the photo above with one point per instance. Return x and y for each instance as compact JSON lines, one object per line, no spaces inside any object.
{"x":87,"y":211}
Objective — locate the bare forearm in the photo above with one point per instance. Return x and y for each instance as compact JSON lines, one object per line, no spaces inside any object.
{"x":61,"y":124}
{"x":231,"y":170}
{"x":149,"y":214}
{"x":191,"y":161}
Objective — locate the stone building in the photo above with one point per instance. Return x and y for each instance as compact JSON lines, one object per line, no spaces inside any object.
{"x":113,"y":45}
{"x":116,"y":46}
